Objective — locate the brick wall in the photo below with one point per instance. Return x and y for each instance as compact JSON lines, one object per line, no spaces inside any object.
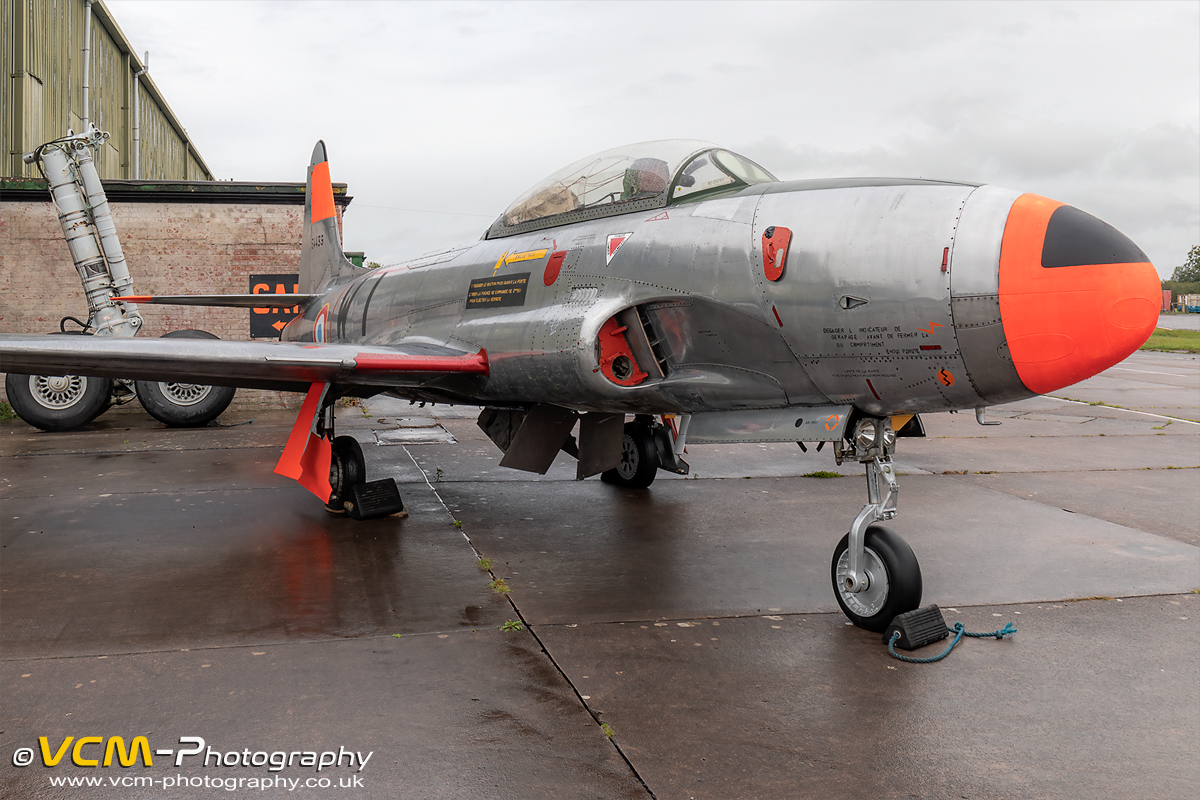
{"x":170,"y":247}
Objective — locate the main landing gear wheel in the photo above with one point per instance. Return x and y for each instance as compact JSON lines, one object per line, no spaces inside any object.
{"x":347,"y":469}
{"x":57,"y":402}
{"x":893,"y":579}
{"x":184,"y":405}
{"x":639,"y":459}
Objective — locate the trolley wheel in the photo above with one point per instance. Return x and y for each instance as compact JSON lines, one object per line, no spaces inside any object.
{"x":184,"y":405}
{"x":57,"y":402}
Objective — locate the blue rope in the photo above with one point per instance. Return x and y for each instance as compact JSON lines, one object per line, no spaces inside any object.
{"x":1008,"y":630}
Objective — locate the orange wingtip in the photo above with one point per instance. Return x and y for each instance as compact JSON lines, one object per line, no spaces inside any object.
{"x":322,"y":193}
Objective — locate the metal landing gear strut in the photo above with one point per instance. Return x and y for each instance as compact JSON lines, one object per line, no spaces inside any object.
{"x":875,"y":574}
{"x":351,"y":493}
{"x":646,"y":447}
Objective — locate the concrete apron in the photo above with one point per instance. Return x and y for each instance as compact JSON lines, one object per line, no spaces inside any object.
{"x":174,"y":587}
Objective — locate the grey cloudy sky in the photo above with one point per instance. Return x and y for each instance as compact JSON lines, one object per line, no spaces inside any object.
{"x":438,"y":115}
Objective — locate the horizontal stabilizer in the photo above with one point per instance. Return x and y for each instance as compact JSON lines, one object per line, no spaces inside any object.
{"x":223,"y":300}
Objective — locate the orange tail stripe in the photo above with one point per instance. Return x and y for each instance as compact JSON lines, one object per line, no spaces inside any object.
{"x":322,"y":193}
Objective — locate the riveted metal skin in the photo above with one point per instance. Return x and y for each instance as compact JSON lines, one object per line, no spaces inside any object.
{"x":695,"y":279}
{"x":725,"y":337}
{"x":975,"y":293}
{"x":882,"y":245}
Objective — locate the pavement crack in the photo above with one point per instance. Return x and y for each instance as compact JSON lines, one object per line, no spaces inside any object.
{"x":541,"y":645}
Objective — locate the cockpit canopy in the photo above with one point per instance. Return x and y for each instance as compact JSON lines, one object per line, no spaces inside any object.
{"x":636,"y":177}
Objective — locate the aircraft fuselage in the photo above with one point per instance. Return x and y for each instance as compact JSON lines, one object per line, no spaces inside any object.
{"x":889,"y":300}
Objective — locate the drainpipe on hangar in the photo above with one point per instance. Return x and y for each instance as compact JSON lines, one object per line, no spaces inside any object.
{"x":137,"y":117}
{"x":87,"y":63}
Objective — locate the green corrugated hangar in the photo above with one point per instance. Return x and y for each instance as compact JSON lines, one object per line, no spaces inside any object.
{"x":69,"y":65}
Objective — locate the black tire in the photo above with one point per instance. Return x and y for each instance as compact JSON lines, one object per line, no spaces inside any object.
{"x":894,"y":575}
{"x":347,"y":469}
{"x":639,"y":459}
{"x":184,"y":405}
{"x":57,"y":402}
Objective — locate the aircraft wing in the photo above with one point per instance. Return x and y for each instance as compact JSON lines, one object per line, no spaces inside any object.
{"x":285,"y":366}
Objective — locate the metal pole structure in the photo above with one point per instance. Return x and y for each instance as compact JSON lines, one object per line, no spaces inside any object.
{"x":91,"y":235}
{"x":118,"y":270}
{"x":71,"y":205}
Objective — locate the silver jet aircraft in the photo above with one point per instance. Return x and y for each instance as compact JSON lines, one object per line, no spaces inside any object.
{"x":674,"y":293}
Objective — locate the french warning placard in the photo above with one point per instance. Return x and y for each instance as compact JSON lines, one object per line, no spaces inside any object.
{"x":268,"y":321}
{"x":498,"y":292}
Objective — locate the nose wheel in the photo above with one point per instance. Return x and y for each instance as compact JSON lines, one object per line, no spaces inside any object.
{"x":890,"y":575}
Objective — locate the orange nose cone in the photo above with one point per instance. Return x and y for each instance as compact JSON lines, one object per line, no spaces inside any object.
{"x":1076,"y":295}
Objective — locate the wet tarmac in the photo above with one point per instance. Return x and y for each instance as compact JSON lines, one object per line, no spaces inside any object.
{"x":1177,"y":321}
{"x":680,"y":642}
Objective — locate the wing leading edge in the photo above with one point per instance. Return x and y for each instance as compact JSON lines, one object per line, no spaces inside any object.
{"x":284,"y":366}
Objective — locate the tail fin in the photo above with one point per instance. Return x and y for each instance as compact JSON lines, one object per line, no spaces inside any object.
{"x":322,"y":262}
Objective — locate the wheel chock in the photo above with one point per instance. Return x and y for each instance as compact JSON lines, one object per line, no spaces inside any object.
{"x":375,"y":499}
{"x":917,"y":628}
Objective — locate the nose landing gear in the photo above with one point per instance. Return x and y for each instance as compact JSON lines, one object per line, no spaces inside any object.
{"x":875,"y":574}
